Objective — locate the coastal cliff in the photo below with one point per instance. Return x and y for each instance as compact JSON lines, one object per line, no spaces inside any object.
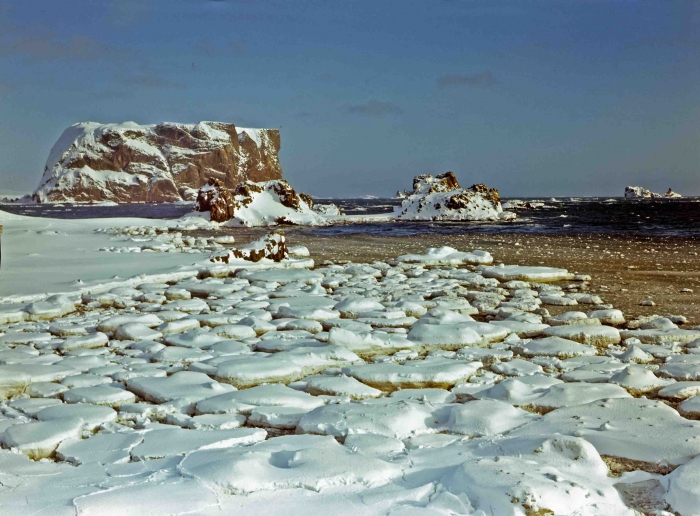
{"x":167,"y":162}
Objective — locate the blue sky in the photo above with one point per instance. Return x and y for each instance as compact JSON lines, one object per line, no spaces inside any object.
{"x":531,"y":97}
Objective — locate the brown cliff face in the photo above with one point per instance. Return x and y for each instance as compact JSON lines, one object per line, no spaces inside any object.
{"x":160,"y":163}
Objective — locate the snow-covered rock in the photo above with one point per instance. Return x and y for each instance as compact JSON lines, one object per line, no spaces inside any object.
{"x":215,"y":198}
{"x":267,"y":203}
{"x":129,"y":162}
{"x":442,"y":198}
{"x":271,"y":247}
{"x":637,"y":192}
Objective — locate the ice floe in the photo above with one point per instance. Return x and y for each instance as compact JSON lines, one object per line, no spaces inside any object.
{"x":432,"y":384}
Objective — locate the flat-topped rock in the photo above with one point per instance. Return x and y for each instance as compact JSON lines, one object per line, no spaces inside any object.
{"x":129,"y":162}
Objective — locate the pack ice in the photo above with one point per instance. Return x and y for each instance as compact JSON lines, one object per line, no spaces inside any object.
{"x":435,"y":383}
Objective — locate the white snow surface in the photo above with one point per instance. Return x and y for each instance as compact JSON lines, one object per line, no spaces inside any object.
{"x":43,"y":256}
{"x":282,"y":391}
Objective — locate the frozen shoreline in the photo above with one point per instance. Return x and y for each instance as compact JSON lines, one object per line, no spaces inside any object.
{"x":434,"y":381}
{"x":43,"y":256}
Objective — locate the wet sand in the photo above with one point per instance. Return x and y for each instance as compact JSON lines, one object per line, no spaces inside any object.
{"x":624,"y":270}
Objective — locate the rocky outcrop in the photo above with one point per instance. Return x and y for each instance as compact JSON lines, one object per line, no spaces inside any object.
{"x":442,"y":198}
{"x":267,"y":203}
{"x":215,"y":198}
{"x":271,"y":247}
{"x":154,"y":163}
{"x":637,"y":192}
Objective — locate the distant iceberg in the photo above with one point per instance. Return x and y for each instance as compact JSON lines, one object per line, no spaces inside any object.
{"x":637,"y":192}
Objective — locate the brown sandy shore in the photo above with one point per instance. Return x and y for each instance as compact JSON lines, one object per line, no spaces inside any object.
{"x":624,"y":270}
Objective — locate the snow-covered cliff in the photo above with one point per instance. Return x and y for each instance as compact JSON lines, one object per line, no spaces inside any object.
{"x":167,"y":162}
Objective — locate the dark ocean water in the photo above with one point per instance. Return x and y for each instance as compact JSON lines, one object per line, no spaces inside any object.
{"x":619,"y":216}
{"x":658,"y":217}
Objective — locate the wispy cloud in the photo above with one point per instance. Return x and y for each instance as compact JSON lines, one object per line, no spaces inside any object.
{"x":40,"y":43}
{"x":375,"y":108}
{"x":484,"y":79}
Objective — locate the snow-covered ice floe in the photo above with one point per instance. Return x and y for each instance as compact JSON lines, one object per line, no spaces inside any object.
{"x":430,"y":384}
{"x":518,"y":272}
{"x":447,"y":256}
